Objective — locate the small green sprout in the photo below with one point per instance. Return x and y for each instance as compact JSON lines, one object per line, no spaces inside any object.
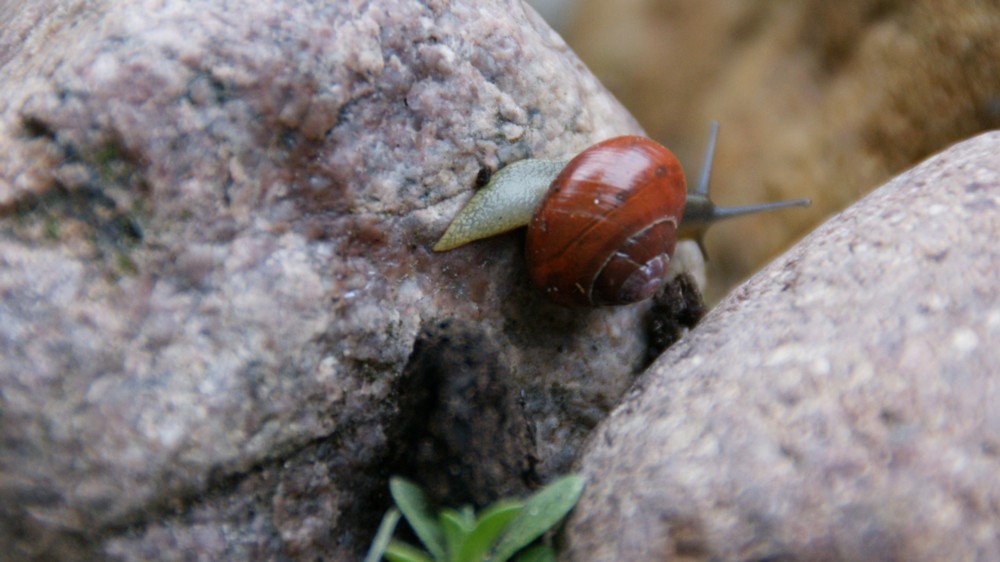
{"x":495,"y":535}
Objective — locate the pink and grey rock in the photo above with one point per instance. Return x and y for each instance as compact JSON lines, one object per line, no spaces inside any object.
{"x":215,"y":260}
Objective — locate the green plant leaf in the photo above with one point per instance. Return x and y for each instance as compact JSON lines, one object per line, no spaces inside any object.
{"x":541,"y":512}
{"x":413,"y":503}
{"x":469,"y":516}
{"x":383,"y":535}
{"x":465,"y":518}
{"x":499,"y":507}
{"x":399,"y":551}
{"x":456,"y":526}
{"x":539,"y":553}
{"x":488,"y":527}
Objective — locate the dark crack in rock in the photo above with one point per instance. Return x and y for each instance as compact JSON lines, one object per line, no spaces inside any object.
{"x":463,"y":433}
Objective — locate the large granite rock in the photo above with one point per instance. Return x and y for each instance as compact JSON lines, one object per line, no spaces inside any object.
{"x":821,"y":99}
{"x":215,"y":231}
{"x":843,"y":404}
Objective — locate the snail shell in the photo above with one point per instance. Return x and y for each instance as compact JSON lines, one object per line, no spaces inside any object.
{"x":605,"y":231}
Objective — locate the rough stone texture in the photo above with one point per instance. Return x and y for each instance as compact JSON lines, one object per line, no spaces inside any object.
{"x":843,"y":404}
{"x":816,"y":99}
{"x":215,"y":222}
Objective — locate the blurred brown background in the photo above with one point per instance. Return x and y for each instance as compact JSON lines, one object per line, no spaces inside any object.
{"x":816,"y":99}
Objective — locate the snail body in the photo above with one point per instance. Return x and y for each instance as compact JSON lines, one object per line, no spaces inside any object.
{"x":505,"y":203}
{"x":603,"y":226}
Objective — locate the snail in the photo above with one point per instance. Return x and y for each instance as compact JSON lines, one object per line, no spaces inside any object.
{"x":602,"y":227}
